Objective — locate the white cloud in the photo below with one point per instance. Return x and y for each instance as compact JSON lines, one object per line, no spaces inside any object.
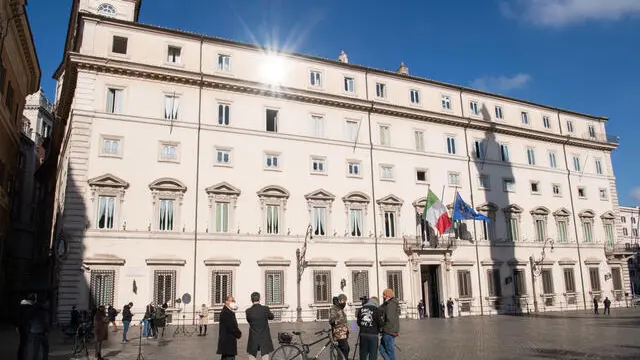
{"x":501,"y":84}
{"x":635,"y":193}
{"x":558,"y":13}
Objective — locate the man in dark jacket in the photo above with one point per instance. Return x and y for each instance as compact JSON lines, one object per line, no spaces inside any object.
{"x":127,"y":316}
{"x":228,"y":332}
{"x":258,"y":317}
{"x":368,"y":320}
{"x":26,"y":312}
{"x":389,"y":311}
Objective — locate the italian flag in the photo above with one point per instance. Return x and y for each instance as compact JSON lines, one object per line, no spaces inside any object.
{"x":436,"y":213}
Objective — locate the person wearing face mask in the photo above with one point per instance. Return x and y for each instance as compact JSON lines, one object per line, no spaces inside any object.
{"x":339,"y":325}
{"x":389,"y":313}
{"x":228,"y":333}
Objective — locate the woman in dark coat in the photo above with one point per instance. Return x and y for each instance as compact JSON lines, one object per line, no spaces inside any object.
{"x":228,"y":333}
{"x":100,"y":329}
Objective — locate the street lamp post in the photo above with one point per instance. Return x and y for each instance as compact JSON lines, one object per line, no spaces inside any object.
{"x":536,"y":270}
{"x":301,"y":264}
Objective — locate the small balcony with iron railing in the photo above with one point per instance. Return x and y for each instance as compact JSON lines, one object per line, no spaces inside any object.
{"x":599,"y":137}
{"x":626,"y":248}
{"x":414,"y":244}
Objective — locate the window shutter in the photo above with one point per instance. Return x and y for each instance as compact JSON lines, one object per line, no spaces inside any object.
{"x":117,"y":108}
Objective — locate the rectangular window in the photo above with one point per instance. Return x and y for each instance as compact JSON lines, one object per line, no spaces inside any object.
{"x":547,"y":281}
{"x":582,"y":192}
{"x":519,"y":282}
{"x":592,"y":132}
{"x":535,"y":187}
{"x":562,"y":231}
{"x":422,"y":175}
{"x":569,"y":126}
{"x":102,"y":287}
{"x":634,"y":232}
{"x":546,"y":122}
{"x":355,"y":222}
{"x":274,"y":287}
{"x":478,"y":149}
{"x":594,"y":277}
{"x":473,"y":107}
{"x":484,"y":182}
{"x":272,"y":120}
{"x":603,"y":194}
{"x":531,"y":156}
{"x":385,"y":135}
{"x":223,"y":114}
{"x":224,"y":63}
{"x":464,"y":283}
{"x":576,"y":163}
{"x":616,"y":277}
{"x":625,"y":232}
{"x":599,"y":167}
{"x":171,"y":107}
{"x":221,"y":286}
{"x":222,"y":217}
{"x":359,"y":284}
{"x":315,"y":78}
{"x":114,"y":100}
{"x":273,"y":219}
{"x":223,"y":156}
{"x":318,"y":165}
{"x":394,"y":282}
{"x":513,"y":231}
{"x":509,"y":185}
{"x":541,"y":231}
{"x":418,"y":137}
{"x":165,"y":219}
{"x":349,"y":84}
{"x":164,"y":287}
{"x":569,"y":283}
{"x":318,"y":126}
{"x":451,"y":145}
{"x":119,"y":45}
{"x":499,"y":114}
{"x":321,"y":286}
{"x":353,"y":168}
{"x":168,"y":152}
{"x":586,"y":231}
{"x":415,"y":96}
{"x":386,"y":172}
{"x":110,"y":147}
{"x":272,"y":161}
{"x":352,"y":128}
{"x":552,"y":160}
{"x":390,"y":224}
{"x":106,"y":212}
{"x":488,"y":230}
{"x":608,"y":231}
{"x":493,"y":280}
{"x":453,"y":179}
{"x":319,"y":221}
{"x":446,"y":102}
{"x":525,"y":118}
{"x":381,"y":90}
{"x":174,"y":54}
{"x":504,"y":152}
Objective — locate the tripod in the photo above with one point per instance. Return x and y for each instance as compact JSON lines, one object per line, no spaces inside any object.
{"x":181,"y":330}
{"x":140,"y":356}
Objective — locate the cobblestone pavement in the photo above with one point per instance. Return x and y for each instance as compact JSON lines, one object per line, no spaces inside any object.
{"x":566,"y":335}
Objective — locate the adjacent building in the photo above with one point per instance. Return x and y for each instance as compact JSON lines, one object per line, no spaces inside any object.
{"x":19,"y":76}
{"x":628,"y":246}
{"x":197,"y":165}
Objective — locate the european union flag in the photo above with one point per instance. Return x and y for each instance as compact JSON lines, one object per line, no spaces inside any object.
{"x":462,"y":211}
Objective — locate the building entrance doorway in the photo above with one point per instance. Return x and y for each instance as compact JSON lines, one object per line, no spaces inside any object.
{"x":430,"y":280}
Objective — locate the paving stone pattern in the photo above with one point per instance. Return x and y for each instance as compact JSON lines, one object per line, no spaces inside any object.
{"x":566,"y":335}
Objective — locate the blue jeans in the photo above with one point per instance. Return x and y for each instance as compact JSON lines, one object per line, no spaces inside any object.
{"x":125,"y":329}
{"x":388,"y":347}
{"x":145,"y":329}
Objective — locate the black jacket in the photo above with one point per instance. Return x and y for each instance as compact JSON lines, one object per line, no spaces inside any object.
{"x":368,"y":318}
{"x":258,"y":317}
{"x":26,"y":312}
{"x":389,"y":312}
{"x":126,"y":313}
{"x":228,"y":333}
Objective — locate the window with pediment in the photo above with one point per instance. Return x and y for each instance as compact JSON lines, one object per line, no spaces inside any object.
{"x":539,"y":216}
{"x":223,"y":199}
{"x":562,"y":224}
{"x":488,"y":227}
{"x":107,"y":196}
{"x":356,"y":206}
{"x":319,"y":203}
{"x":390,"y":209}
{"x":513,"y":216}
{"x":608,"y":219}
{"x":586,"y":221}
{"x":167,"y":195}
{"x":273,"y":205}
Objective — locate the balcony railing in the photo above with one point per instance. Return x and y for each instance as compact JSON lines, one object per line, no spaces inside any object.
{"x":628,"y":248}
{"x":414,"y":244}
{"x":594,"y":136}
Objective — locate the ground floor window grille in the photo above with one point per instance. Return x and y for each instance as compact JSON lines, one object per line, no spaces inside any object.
{"x":464,"y":284}
{"x":360,"y":284}
{"x":322,"y":287}
{"x":274,"y":287}
{"x":394,"y":282}
{"x":221,"y":287}
{"x":102,"y":287}
{"x":164,"y":287}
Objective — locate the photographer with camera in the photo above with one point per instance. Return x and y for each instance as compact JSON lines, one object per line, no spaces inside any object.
{"x":368,"y":320}
{"x":339,"y":324}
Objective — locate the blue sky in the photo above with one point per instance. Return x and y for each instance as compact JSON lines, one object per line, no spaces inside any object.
{"x":575,"y":54}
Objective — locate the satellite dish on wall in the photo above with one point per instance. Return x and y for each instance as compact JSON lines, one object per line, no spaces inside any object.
{"x":186,"y":298}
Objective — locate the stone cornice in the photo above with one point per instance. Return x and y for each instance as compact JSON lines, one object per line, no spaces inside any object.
{"x":179,"y":76}
{"x":25,"y":36}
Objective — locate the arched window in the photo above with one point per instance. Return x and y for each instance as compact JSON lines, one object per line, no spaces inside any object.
{"x":107,"y":10}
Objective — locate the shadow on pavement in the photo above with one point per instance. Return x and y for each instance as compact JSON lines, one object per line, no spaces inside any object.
{"x":571,"y":354}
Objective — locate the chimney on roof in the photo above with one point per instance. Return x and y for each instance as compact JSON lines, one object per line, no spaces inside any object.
{"x":403,"y":69}
{"x":343,"y":57}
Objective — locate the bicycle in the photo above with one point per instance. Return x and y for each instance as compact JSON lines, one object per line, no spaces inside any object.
{"x":289,"y":350}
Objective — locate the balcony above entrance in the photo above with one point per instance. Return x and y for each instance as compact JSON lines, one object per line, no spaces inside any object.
{"x":414,"y":244}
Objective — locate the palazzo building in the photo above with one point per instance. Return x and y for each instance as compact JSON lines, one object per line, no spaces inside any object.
{"x":198,"y":165}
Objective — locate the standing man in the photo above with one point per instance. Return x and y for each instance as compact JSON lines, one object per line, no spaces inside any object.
{"x":369,"y":323}
{"x":421,"y":309}
{"x":26,"y":312}
{"x":607,"y":305}
{"x":339,"y":325}
{"x":112,"y":313}
{"x":595,"y":305}
{"x":228,"y":332}
{"x":127,"y":316}
{"x":390,"y":325}
{"x":258,"y":317}
{"x":450,"y":307}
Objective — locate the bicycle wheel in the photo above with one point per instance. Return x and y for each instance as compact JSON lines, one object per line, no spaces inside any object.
{"x":287,"y":352}
{"x":335,"y":353}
